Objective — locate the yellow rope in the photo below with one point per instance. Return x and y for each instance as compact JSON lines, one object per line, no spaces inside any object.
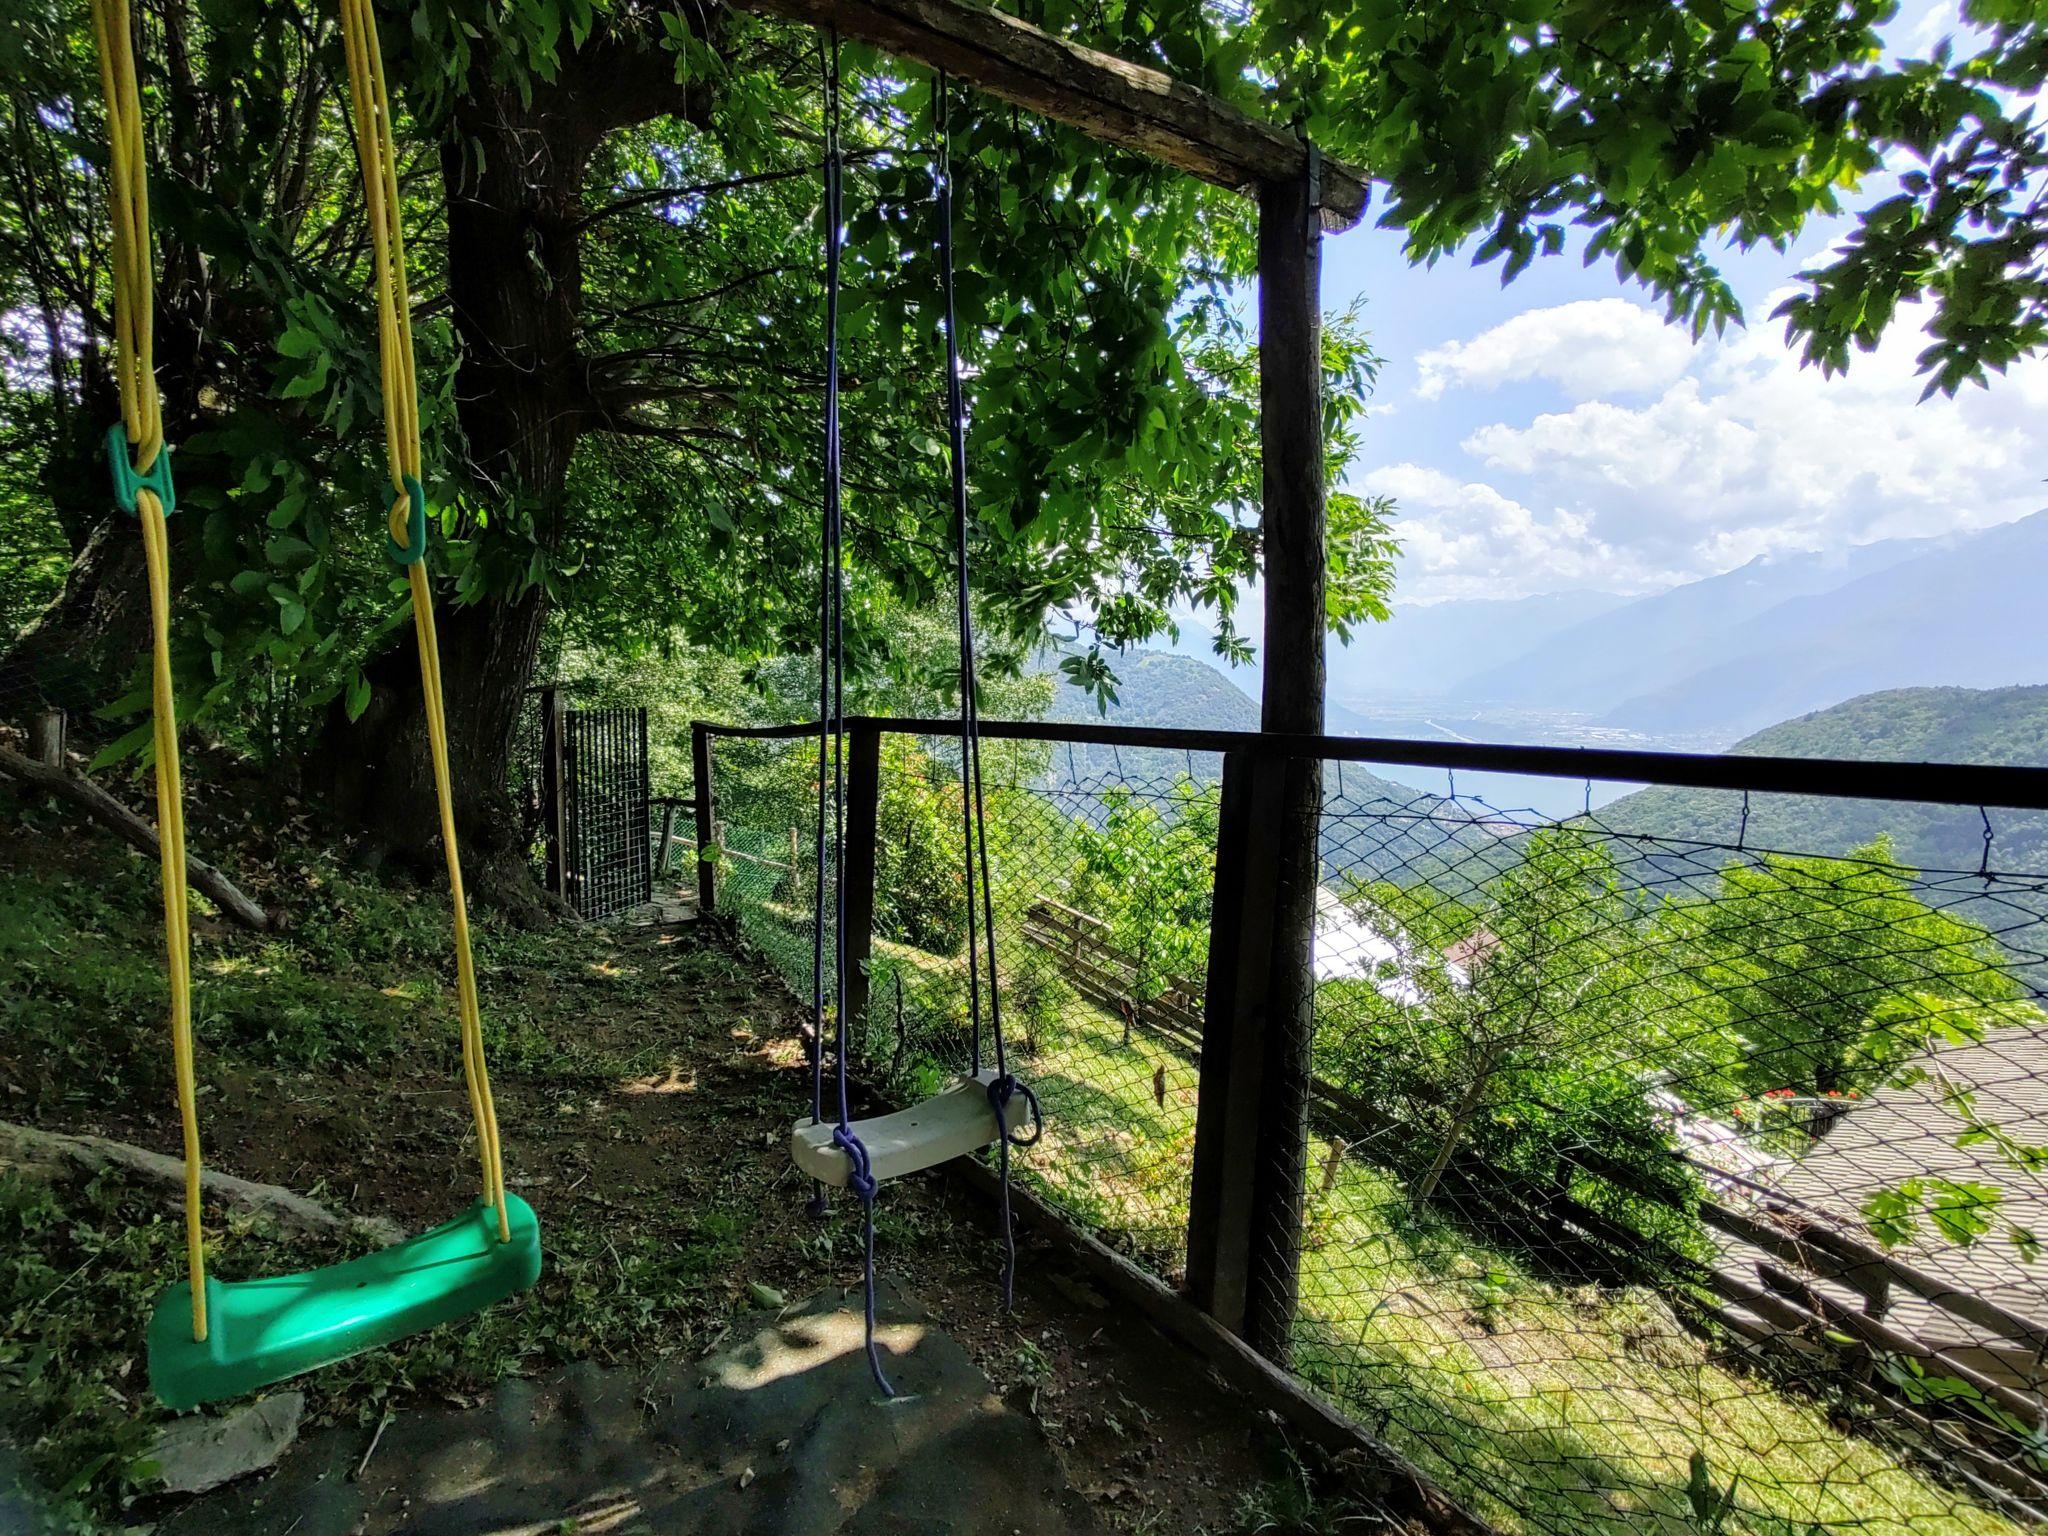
{"x":378,"y":155}
{"x":143,"y":420}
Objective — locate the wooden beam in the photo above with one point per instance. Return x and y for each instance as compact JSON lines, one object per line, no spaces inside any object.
{"x":1132,"y":106}
{"x":1293,"y":523}
{"x":25,"y":1147}
{"x":1231,"y":1053}
{"x":133,"y":830}
{"x":1403,"y":1486}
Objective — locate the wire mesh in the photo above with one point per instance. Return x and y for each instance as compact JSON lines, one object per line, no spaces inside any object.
{"x":1653,"y":1180}
{"x":1101,"y":885}
{"x":1627,"y":1149}
{"x":605,"y":798}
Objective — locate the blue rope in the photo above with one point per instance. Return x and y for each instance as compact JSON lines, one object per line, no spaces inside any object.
{"x":860,"y":1179}
{"x":1000,"y":1094}
{"x":974,"y":822}
{"x":832,"y":724}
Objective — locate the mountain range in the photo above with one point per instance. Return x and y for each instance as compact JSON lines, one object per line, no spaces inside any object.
{"x":1374,"y":827}
{"x":1714,"y":660}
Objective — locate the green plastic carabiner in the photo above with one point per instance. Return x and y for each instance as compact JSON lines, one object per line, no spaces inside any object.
{"x":414,"y":549}
{"x":129,"y":481}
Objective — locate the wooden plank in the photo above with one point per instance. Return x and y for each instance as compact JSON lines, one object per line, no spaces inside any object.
{"x":1227,"y":1103}
{"x":1967,"y":1305}
{"x":1407,"y":1489}
{"x":1073,"y":914}
{"x":2024,"y":1406}
{"x":46,"y":733}
{"x":1132,"y":106}
{"x":668,"y":835}
{"x":1801,"y":1249}
{"x":1114,"y":988}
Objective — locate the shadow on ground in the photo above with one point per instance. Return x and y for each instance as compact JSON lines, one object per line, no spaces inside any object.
{"x":784,"y":1433}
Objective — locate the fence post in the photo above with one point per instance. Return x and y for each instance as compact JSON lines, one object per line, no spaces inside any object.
{"x":553,"y":802}
{"x":1251,"y":1113}
{"x":1220,"y":1214}
{"x":863,"y":817}
{"x":46,"y":732}
{"x":1275,"y":981}
{"x":700,"y":770}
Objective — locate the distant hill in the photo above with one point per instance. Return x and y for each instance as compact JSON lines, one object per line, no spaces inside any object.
{"x":1960,"y":725}
{"x":1160,"y":688}
{"x":1423,"y":651}
{"x":1376,"y":828}
{"x":1717,"y":659}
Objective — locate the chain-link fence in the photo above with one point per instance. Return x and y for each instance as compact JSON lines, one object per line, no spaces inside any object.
{"x":1660,"y":1177}
{"x":1657,"y":1177}
{"x":1101,"y":994}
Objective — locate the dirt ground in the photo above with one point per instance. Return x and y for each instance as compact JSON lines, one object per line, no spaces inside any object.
{"x":679,"y":1167}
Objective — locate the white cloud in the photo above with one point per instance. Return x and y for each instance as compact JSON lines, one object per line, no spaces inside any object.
{"x":1464,"y":538}
{"x":1591,"y":347}
{"x":1749,"y":453}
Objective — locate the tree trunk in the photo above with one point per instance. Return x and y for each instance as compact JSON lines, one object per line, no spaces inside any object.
{"x":82,"y":651}
{"x":380,"y":775}
{"x":513,"y":170}
{"x":515,"y":286}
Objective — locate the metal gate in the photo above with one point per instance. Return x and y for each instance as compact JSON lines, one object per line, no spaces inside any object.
{"x":606,"y":866}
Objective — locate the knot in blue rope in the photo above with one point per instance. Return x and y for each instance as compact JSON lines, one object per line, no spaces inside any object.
{"x":860,"y":1176}
{"x":1000,"y":1093}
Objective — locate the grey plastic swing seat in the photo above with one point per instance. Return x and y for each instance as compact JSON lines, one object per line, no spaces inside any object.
{"x":947,"y":1125}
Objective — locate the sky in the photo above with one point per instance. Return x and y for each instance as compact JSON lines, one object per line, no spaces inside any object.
{"x":1557,"y":435}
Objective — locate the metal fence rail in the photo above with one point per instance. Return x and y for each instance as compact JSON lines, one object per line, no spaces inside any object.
{"x":1650,"y":1178}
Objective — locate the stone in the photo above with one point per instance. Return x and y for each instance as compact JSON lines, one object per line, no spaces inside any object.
{"x":202,"y":1451}
{"x":778,"y":1434}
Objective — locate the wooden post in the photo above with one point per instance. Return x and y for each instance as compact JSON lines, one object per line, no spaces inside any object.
{"x":1245,"y":1219}
{"x":1232,"y":1059}
{"x":46,"y":733}
{"x":700,"y":770}
{"x":553,"y":800}
{"x":1294,"y":531}
{"x":863,"y":818}
{"x":668,"y":835}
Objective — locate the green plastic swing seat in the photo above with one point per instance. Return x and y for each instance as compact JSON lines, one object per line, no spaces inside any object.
{"x":261,"y":1331}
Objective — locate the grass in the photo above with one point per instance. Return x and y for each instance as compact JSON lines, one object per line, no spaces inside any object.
{"x":1546,"y":1408}
{"x":1551,"y":1410}
{"x":328,"y":1061}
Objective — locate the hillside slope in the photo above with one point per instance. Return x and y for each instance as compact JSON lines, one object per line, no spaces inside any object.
{"x":1423,"y":651}
{"x":1960,"y":725}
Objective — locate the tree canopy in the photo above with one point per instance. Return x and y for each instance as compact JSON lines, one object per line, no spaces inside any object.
{"x":615,"y":233}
